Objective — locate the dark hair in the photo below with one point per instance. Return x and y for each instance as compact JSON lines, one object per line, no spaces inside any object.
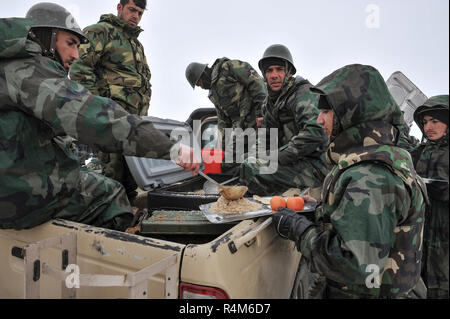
{"x":140,"y":3}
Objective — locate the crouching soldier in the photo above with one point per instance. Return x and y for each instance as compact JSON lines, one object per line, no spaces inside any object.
{"x":40,"y":178}
{"x":290,"y":109}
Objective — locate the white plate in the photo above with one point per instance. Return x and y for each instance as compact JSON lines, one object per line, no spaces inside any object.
{"x":227,"y":218}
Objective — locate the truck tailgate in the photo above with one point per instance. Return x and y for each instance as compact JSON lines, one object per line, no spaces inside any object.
{"x":262,"y":267}
{"x":99,"y":252}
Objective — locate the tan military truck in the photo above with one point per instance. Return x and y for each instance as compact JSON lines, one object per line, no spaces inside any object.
{"x":177,"y":254}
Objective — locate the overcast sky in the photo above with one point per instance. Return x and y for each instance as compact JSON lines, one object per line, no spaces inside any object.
{"x":411,"y":36}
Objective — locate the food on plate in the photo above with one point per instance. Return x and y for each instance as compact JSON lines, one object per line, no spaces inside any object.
{"x":276,"y":202}
{"x":263,"y":200}
{"x":295,"y":203}
{"x":291,"y":192}
{"x":225,"y":206}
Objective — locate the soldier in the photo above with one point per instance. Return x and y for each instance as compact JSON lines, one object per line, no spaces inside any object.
{"x":431,"y":161}
{"x":367,"y":235}
{"x":237,"y":92}
{"x":40,"y":178}
{"x":113,"y":65}
{"x":292,"y":109}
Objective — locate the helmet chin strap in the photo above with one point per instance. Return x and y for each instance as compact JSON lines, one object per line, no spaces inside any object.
{"x":52,"y":53}
{"x":288,"y":72}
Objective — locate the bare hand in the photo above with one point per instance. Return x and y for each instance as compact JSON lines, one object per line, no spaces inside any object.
{"x":308,"y":198}
{"x":188,"y":160}
{"x":259,"y":121}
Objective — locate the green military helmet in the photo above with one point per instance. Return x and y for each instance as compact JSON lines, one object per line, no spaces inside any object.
{"x":277,"y":51}
{"x":194,"y":71}
{"x":51,"y":15}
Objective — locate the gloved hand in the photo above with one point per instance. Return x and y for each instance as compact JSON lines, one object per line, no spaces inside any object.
{"x":286,"y":158}
{"x":438,"y":191}
{"x":290,"y":225}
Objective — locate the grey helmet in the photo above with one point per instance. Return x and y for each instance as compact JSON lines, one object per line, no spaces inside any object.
{"x":51,"y":15}
{"x":278,"y":51}
{"x":194,"y":72}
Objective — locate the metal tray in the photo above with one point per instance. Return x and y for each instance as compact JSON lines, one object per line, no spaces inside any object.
{"x":227,"y":218}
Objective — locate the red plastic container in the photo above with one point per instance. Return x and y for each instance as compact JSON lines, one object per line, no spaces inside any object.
{"x":212,"y":160}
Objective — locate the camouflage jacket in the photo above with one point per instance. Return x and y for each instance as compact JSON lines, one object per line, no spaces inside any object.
{"x":238,"y":92}
{"x":432,"y":161}
{"x":114,"y":65}
{"x":405,"y":140}
{"x":39,"y":104}
{"x":372,"y":212}
{"x":295,"y":114}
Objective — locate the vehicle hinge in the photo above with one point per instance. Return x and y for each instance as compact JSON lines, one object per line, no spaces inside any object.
{"x":232,"y":247}
{"x":36,"y":270}
{"x":65,"y":259}
{"x":17,"y":252}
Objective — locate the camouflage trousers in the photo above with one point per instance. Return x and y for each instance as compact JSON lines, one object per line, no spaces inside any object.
{"x":100,"y":202}
{"x":115,"y":166}
{"x":95,"y":200}
{"x":305,"y":173}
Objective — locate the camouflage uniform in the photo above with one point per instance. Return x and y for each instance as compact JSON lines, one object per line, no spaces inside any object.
{"x":40,"y":177}
{"x":431,"y":161}
{"x":405,"y":140}
{"x":114,"y":65}
{"x":372,"y":212}
{"x":237,"y":92}
{"x":301,"y":141}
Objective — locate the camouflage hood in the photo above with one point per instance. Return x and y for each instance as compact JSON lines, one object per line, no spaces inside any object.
{"x":14,"y":42}
{"x":366,"y":161}
{"x":368,"y":117}
{"x":437,"y":105}
{"x":116,"y":21}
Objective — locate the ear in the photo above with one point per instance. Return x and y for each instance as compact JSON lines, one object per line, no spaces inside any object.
{"x":119,"y":8}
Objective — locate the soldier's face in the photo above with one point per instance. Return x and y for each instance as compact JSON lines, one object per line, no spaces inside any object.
{"x":275,"y":75}
{"x":325,"y":120}
{"x":67,"y":45}
{"x":200,"y":84}
{"x":130,"y":13}
{"x":433,"y":128}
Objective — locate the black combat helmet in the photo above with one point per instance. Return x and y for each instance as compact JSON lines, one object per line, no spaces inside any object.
{"x":194,"y":71}
{"x":51,"y":15}
{"x":276,"y":52}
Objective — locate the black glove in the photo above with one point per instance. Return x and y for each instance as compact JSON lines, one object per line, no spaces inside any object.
{"x":438,"y":191}
{"x":286,"y":158}
{"x":290,"y":225}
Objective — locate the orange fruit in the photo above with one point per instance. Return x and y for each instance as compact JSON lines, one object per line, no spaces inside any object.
{"x":277,"y":201}
{"x":295,"y":203}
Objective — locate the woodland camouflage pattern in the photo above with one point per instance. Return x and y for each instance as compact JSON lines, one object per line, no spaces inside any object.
{"x":40,"y":178}
{"x":431,"y":161}
{"x":372,"y":210}
{"x":114,"y":65}
{"x":238,"y":92}
{"x":302,"y":142}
